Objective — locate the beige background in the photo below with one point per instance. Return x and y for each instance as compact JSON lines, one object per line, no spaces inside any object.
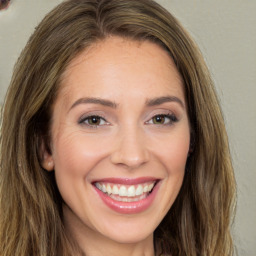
{"x":226,"y":33}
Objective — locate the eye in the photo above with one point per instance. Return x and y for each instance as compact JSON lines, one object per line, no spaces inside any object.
{"x":93,"y":121}
{"x":163,"y":119}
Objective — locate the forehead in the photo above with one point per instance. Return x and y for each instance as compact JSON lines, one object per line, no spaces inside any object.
{"x":118,"y":64}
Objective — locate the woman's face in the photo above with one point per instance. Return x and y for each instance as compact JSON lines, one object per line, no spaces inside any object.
{"x":120,"y":139}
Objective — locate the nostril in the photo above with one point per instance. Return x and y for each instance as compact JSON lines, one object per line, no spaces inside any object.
{"x":128,"y":160}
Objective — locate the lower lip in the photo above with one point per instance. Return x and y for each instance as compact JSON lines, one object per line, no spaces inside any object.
{"x":129,"y":207}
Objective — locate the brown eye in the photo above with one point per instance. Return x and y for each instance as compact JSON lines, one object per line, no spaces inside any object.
{"x":163,"y":119}
{"x":159,"y":119}
{"x":94,"y":120}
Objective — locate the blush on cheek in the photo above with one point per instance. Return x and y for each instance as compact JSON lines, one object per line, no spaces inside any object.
{"x":174,"y":155}
{"x":78,"y":154}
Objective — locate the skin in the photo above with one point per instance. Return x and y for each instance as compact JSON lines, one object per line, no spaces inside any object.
{"x":127,"y":143}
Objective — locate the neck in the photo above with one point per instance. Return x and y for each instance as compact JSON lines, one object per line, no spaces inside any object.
{"x":92,"y":243}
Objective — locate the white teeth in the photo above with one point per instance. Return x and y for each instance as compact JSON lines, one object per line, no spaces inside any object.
{"x":98,"y":186}
{"x":128,"y":199}
{"x":122,"y":191}
{"x":139,"y":190}
{"x":115,"y":190}
{"x":109,"y":190}
{"x":131,"y":191}
{"x":125,"y":190}
{"x":145,"y":188}
{"x":150,"y":187}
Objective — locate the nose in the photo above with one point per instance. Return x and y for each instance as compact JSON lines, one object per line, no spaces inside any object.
{"x":130,"y":149}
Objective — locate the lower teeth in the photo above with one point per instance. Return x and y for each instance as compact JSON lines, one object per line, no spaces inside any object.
{"x":128,"y":199}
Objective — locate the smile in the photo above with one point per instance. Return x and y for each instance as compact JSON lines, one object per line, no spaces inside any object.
{"x":126,"y":193}
{"x":127,"y":196}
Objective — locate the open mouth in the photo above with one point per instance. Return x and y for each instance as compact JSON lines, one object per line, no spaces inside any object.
{"x":127,"y":196}
{"x":126,"y":193}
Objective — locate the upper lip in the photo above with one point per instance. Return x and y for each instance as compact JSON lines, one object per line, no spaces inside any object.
{"x":127,"y":181}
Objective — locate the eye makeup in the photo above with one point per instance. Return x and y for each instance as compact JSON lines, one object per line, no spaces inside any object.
{"x":163,"y":119}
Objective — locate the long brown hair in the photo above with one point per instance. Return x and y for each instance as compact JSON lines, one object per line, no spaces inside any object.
{"x":31,"y":222}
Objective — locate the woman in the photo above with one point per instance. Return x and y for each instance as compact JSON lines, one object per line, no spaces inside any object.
{"x":113,"y":141}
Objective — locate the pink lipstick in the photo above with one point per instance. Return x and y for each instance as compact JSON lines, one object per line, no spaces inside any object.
{"x":127,"y":196}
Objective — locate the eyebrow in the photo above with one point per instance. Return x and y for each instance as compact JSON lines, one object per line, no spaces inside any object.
{"x":99,"y":101}
{"x":150,"y":102}
{"x":162,"y":100}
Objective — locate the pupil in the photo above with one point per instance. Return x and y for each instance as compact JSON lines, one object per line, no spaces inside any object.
{"x":159,"y":119}
{"x":94,"y":120}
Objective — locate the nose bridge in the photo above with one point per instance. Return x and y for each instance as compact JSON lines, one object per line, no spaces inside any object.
{"x":130,"y":149}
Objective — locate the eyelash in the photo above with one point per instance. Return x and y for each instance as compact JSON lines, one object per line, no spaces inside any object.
{"x":172,"y":119}
{"x":84,"y":121}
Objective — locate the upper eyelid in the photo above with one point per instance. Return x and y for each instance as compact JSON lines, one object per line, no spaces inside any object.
{"x":161,"y":112}
{"x":93,"y":113}
{"x":84,"y":117}
{"x":165,"y":115}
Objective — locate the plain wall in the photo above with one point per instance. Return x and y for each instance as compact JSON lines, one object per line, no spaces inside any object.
{"x":226,"y":33}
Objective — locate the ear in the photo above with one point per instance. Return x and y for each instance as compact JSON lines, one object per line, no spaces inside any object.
{"x":47,"y":161}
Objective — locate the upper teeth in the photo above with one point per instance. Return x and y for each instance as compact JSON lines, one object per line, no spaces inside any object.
{"x":124,"y":190}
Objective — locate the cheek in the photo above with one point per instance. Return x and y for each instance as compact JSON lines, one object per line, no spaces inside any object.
{"x":176,"y":153}
{"x":172,"y":152}
{"x":77,"y":155}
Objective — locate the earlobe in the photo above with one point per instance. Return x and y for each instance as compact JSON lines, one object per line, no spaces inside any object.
{"x":48,"y":164}
{"x":47,"y":161}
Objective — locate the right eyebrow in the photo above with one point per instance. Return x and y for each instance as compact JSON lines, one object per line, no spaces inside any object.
{"x":99,"y":101}
{"x":160,"y":100}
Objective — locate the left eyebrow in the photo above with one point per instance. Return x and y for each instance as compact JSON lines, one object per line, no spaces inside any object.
{"x":98,"y":101}
{"x":161,"y":100}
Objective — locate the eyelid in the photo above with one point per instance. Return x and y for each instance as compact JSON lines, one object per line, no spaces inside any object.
{"x":173,"y":118}
{"x":161,"y":112}
{"x":90,"y":112}
{"x":85,"y":117}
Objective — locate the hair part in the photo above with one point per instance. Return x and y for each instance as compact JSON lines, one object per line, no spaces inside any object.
{"x":31,"y":221}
